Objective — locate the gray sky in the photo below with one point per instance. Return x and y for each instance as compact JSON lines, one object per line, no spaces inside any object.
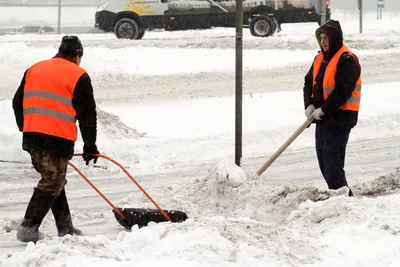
{"x":368,"y":4}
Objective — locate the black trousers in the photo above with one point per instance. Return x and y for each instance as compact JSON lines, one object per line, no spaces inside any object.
{"x":331,"y":151}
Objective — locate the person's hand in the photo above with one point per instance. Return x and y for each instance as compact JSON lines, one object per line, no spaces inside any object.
{"x":309,"y":110}
{"x":88,"y":152}
{"x":317,"y":114}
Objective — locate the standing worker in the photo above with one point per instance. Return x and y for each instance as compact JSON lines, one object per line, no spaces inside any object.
{"x":332,"y":93}
{"x":54,"y":94}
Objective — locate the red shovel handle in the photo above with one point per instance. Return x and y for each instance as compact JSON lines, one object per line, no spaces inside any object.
{"x":130,"y":176}
{"x":98,"y":191}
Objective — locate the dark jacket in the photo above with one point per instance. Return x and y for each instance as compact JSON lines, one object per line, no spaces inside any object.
{"x":348,"y":72}
{"x":85,"y":107}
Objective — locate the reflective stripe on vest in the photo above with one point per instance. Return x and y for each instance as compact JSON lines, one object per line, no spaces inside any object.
{"x":353,"y":103}
{"x":48,"y":93}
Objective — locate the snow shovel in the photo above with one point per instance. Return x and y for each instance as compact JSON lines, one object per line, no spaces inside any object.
{"x":285,"y":145}
{"x":128,"y":217}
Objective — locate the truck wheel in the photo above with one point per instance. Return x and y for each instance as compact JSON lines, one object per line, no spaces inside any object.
{"x":126,"y":29}
{"x":141,"y":33}
{"x":262,"y":26}
{"x":277,"y":26}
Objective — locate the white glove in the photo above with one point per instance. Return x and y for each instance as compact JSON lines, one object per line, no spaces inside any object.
{"x":309,"y":110}
{"x":317,"y":114}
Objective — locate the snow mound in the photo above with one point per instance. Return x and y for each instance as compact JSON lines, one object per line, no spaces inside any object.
{"x":220,"y":38}
{"x":111,"y":126}
{"x":11,"y":138}
{"x":291,"y":195}
{"x":8,"y":225}
{"x":256,"y":199}
{"x":253,"y":199}
{"x":227,"y":172}
{"x":303,"y":238}
{"x":313,"y":227}
{"x":383,"y":184}
{"x":173,"y":245}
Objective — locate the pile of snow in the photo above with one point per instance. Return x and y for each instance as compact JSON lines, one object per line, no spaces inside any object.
{"x":255,"y":198}
{"x":226,"y":172}
{"x":113,"y":128}
{"x":382,"y":185}
{"x":310,"y":232}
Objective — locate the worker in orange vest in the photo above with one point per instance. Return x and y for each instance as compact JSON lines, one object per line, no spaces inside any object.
{"x":332,"y":94}
{"x":53,"y":94}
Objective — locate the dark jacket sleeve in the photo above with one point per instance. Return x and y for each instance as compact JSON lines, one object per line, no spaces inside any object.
{"x":348,"y":72}
{"x":85,"y":107}
{"x":18,"y":104}
{"x":308,"y":87}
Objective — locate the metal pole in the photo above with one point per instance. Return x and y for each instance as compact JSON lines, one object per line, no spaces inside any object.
{"x":360,"y":7}
{"x":59,"y":17}
{"x":377,"y":12}
{"x":323,"y":12}
{"x":239,"y":81}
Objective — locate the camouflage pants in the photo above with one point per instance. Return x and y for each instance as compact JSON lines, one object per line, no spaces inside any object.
{"x":52,"y":168}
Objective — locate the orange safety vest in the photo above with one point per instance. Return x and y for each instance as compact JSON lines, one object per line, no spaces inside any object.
{"x":328,"y":84}
{"x":48,"y":92}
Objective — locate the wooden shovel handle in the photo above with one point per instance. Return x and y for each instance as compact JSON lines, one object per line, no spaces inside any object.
{"x":285,"y":145}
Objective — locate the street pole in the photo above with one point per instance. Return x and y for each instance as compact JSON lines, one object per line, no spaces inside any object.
{"x":323,"y":12}
{"x":380,"y":4}
{"x":377,"y":12}
{"x":239,"y":81}
{"x":59,"y":17}
{"x":360,"y":7}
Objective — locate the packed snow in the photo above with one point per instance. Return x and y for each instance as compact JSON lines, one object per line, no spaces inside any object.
{"x":166,"y":112}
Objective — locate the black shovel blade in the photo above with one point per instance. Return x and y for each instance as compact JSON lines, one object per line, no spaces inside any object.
{"x":142,"y":217}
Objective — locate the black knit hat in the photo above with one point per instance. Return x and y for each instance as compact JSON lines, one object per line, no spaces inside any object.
{"x":71,"y":46}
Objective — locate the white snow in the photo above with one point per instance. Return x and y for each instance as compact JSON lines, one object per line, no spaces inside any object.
{"x":227,"y":173}
{"x":166,"y":112}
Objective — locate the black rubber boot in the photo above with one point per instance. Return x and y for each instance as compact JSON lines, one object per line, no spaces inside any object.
{"x":37,"y":209}
{"x":62,"y":216}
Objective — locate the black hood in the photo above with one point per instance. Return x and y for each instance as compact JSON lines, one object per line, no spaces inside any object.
{"x":335,"y":35}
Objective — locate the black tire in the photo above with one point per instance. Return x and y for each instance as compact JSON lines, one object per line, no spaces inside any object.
{"x":141,"y":34}
{"x":262,"y":26}
{"x":127,"y":29}
{"x":275,"y":25}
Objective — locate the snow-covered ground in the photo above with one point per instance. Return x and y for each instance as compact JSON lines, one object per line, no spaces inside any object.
{"x":166,"y":112}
